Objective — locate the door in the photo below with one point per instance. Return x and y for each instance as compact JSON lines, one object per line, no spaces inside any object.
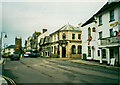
{"x":111,"y":53}
{"x":63,"y":52}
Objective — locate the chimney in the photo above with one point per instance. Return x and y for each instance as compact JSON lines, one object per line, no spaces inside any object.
{"x":44,"y":30}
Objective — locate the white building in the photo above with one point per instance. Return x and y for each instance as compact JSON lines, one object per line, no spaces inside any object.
{"x":10,"y":49}
{"x":103,"y":27}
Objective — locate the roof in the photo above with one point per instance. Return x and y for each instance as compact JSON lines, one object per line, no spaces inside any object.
{"x":11,"y":46}
{"x":68,"y":27}
{"x":104,"y":8}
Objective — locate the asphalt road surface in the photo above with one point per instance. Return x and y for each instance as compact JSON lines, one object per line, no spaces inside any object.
{"x":47,"y":70}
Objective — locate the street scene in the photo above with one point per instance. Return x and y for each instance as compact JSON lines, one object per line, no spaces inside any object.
{"x":44,"y":70}
{"x":60,"y":42}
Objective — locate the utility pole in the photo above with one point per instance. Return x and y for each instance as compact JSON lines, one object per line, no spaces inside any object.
{"x":1,"y":43}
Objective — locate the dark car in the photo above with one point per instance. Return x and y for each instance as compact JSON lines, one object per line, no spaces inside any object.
{"x":10,"y":55}
{"x":15,"y":57}
{"x":33,"y":55}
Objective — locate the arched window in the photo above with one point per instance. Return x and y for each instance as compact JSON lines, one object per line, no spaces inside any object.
{"x":73,"y":51}
{"x":89,"y":32}
{"x":79,"y":49}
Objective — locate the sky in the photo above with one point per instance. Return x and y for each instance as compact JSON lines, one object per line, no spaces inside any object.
{"x":25,"y":17}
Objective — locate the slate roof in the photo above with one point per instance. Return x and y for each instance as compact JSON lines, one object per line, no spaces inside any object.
{"x":11,"y":46}
{"x":67,"y":27}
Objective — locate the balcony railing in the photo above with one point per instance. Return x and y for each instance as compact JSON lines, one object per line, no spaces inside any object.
{"x":110,"y":40}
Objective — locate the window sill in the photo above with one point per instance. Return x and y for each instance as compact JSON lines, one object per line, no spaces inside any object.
{"x":100,"y":24}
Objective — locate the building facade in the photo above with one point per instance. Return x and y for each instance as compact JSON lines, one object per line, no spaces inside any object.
{"x":18,"y":45}
{"x":66,"y":42}
{"x":102,"y":31}
{"x":44,"y":44}
{"x":10,"y":49}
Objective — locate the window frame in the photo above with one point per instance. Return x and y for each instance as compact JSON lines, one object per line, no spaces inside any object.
{"x":79,"y":36}
{"x":100,"y":20}
{"x":79,"y":49}
{"x":111,"y":33}
{"x":100,"y":35}
{"x":73,"y":36}
{"x":89,"y":33}
{"x":63,"y":36}
{"x":73,"y":49}
{"x":89,"y":51}
{"x":112,"y":16}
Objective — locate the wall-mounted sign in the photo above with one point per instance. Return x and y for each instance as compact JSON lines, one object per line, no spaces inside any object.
{"x":114,"y":24}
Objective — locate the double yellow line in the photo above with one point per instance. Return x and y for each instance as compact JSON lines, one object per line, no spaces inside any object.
{"x":10,"y":80}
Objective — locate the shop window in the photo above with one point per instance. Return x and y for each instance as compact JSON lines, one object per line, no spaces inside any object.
{"x":98,"y":52}
{"x":104,"y":53}
{"x":45,"y":53}
{"x":111,"y":33}
{"x":73,"y":49}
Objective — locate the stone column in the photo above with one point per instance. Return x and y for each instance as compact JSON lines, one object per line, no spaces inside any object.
{"x":60,"y":51}
{"x":108,"y":55}
{"x":100,"y":55}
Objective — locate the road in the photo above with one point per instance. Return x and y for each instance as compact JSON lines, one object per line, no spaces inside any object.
{"x":49,"y":70}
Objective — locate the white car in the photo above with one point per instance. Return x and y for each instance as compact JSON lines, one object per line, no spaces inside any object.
{"x":26,"y":55}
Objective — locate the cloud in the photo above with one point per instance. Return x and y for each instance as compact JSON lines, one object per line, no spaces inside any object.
{"x":24,"y":18}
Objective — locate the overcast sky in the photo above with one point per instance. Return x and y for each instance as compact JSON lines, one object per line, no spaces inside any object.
{"x":23,"y":18}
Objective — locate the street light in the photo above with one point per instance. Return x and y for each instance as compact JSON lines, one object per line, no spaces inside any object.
{"x":1,"y":43}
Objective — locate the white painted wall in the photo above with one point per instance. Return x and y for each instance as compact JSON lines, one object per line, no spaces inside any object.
{"x":106,"y":24}
{"x":93,"y":42}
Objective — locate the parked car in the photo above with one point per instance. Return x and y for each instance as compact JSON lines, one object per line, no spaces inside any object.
{"x":10,"y":55}
{"x":5,"y":55}
{"x":26,"y":55}
{"x":15,"y":57}
{"x":33,"y":55}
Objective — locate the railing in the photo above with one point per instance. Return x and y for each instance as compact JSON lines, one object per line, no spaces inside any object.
{"x":109,"y":40}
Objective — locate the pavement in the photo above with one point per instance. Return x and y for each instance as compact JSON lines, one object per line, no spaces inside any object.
{"x":89,"y":62}
{"x":1,"y":61}
{"x":2,"y":80}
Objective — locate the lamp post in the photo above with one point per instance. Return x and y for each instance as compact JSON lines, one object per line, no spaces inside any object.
{"x":1,"y":43}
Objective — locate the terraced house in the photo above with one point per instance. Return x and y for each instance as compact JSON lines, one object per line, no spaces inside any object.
{"x":102,"y":39}
{"x":66,"y":42}
{"x":44,"y":44}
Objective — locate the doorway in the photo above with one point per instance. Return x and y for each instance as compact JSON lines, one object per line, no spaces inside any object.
{"x":111,"y":53}
{"x":63,"y":52}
